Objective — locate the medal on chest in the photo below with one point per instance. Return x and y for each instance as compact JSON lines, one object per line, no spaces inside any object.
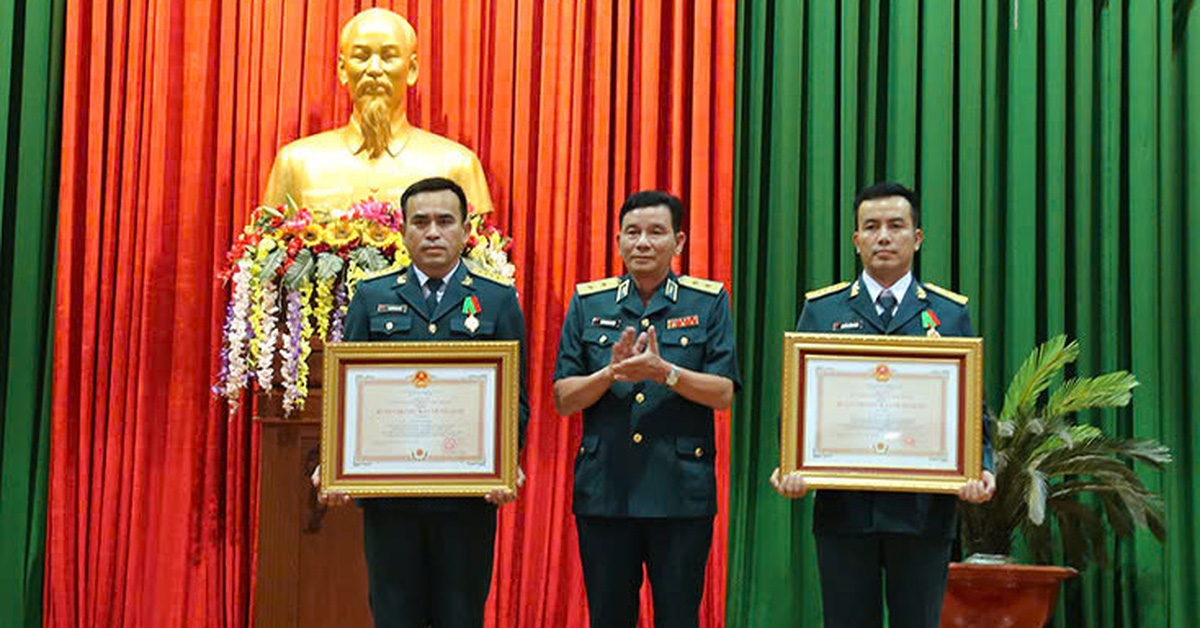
{"x":471,"y":307}
{"x":930,"y":322}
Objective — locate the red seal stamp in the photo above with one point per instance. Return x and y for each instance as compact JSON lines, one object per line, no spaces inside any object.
{"x":421,"y":379}
{"x":450,"y":444}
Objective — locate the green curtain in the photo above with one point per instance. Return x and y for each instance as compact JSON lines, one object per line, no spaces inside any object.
{"x":31,"y":36}
{"x":1051,"y":142}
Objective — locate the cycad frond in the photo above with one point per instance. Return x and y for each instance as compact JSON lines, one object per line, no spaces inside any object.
{"x":1035,"y":374}
{"x":1045,"y":463}
{"x":1111,"y":390}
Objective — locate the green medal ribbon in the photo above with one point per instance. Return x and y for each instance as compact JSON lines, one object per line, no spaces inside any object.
{"x":471,"y":306}
{"x":929,"y":320}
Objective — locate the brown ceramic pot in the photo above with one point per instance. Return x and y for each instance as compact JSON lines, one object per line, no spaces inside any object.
{"x":1002,"y":596}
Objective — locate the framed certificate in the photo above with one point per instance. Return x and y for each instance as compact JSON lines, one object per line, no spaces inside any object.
{"x":889,"y":413}
{"x":420,"y":418}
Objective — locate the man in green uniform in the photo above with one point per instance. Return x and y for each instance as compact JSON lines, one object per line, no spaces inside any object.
{"x":429,"y":560}
{"x":646,"y":357}
{"x":862,"y":535}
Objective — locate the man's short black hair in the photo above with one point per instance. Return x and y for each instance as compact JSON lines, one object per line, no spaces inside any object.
{"x":884,"y":189}
{"x":654,"y":198}
{"x":434,"y":184}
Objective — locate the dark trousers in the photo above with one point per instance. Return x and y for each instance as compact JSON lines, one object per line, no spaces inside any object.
{"x":674,"y":551}
{"x":855,"y":569}
{"x":428,"y":568}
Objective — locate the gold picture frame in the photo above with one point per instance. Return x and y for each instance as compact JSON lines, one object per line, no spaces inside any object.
{"x":420,"y":419}
{"x":882,"y":430}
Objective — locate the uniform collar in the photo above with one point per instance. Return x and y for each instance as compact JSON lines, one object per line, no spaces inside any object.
{"x":459,"y":284}
{"x":422,"y":277}
{"x":899,"y":289}
{"x":911,"y":302}
{"x":666,"y":294}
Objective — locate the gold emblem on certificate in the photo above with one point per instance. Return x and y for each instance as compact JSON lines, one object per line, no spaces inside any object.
{"x":882,"y":412}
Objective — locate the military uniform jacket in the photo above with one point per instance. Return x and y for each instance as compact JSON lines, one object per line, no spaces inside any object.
{"x":847,"y":308}
{"x":391,"y":308}
{"x":647,"y":451}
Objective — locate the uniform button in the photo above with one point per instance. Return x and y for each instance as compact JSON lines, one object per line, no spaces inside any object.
{"x":699,"y":452}
{"x":683,"y":341}
{"x":637,"y":437}
{"x":645,"y":323}
{"x":581,"y":450}
{"x":432,"y":328}
{"x":603,"y":339}
{"x":641,"y":397}
{"x":389,"y":326}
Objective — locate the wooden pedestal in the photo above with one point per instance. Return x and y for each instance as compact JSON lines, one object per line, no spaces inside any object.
{"x":311,"y":570}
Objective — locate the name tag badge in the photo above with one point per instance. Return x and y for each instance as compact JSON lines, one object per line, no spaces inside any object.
{"x":847,"y":325}
{"x":391,"y":308}
{"x":609,"y":323}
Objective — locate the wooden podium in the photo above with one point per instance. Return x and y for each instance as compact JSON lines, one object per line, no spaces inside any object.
{"x":311,"y":570}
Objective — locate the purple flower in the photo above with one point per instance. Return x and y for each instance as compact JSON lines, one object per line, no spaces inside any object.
{"x":339,"y":312}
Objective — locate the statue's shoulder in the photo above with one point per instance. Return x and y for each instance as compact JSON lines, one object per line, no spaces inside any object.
{"x":457,"y":154}
{"x":321,"y":142}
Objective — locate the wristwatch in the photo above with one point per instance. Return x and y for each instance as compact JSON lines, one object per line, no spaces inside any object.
{"x":672,"y":377}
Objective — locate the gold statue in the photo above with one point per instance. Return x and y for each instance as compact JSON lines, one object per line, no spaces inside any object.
{"x":378,"y":153}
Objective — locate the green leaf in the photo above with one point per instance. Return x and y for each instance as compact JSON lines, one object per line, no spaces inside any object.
{"x":301,"y":269}
{"x":1110,"y":390}
{"x":369,"y":258}
{"x":1035,"y":498}
{"x":271,"y":264}
{"x":329,"y":266}
{"x":293,"y":206}
{"x":1034,"y":376}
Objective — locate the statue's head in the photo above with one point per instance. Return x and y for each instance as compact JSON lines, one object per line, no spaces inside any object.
{"x":377,"y":62}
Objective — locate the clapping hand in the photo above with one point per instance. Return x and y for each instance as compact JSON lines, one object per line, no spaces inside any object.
{"x":641,"y":361}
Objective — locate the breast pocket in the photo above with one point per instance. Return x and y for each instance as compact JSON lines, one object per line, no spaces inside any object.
{"x":684,"y":347}
{"x":390,"y":326}
{"x":599,"y":342}
{"x":588,"y":467}
{"x":483,"y":328}
{"x":696,"y":455}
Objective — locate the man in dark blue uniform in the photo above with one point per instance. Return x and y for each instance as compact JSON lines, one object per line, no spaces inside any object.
{"x":646,"y":357}
{"x":429,"y":560}
{"x":863,"y":535}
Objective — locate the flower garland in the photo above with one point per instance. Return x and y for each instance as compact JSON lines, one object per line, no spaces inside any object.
{"x":285,"y":252}
{"x":235,"y":366}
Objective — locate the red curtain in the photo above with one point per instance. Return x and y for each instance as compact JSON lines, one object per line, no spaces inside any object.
{"x":173,"y":113}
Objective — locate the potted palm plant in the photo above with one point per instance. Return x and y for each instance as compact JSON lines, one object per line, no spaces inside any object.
{"x":1045,"y":464}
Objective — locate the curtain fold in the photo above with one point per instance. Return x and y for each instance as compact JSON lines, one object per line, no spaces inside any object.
{"x":30,"y":100}
{"x":1051,"y":143}
{"x":174,"y":112}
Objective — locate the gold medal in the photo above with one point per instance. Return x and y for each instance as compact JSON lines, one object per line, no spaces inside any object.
{"x":471,"y":323}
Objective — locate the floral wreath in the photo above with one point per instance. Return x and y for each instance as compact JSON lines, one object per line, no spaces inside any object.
{"x":285,"y":260}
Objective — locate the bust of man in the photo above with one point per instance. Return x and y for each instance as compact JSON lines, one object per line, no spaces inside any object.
{"x":378,"y":153}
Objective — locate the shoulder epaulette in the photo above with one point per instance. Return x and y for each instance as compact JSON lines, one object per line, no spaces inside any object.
{"x":390,"y":270}
{"x":490,"y":275}
{"x":703,"y":285}
{"x":953,"y":296}
{"x":820,"y":292}
{"x":600,"y":285}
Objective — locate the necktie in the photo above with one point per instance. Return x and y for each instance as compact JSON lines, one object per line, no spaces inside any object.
{"x":888,"y":302}
{"x":433,"y":284}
